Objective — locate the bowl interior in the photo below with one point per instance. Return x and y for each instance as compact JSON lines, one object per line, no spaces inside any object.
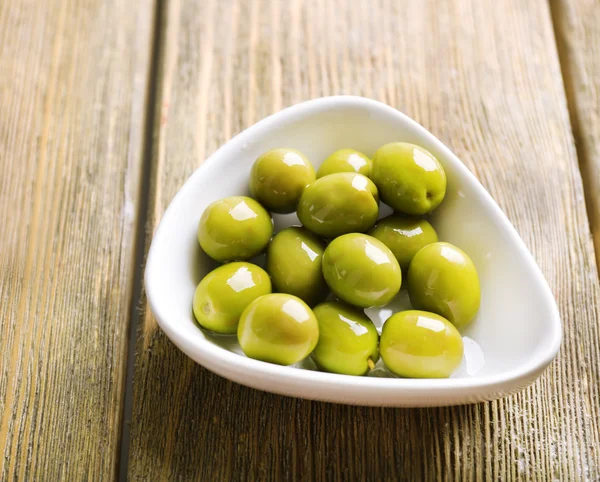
{"x":517,"y":323}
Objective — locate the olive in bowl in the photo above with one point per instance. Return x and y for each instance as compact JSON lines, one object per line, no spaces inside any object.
{"x":278,"y":328}
{"x":278,"y":178}
{"x":339,"y":203}
{"x":294,"y":262}
{"x":409,"y":178}
{"x":418,"y":344}
{"x":345,"y":160}
{"x":443,"y":279}
{"x":348,"y":339}
{"x":234,"y":228}
{"x":405,"y":236}
{"x":225,"y":292}
{"x":361,"y":270}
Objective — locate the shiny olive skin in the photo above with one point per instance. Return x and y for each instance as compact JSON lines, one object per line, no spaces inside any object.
{"x":278,"y":178}
{"x":278,"y":328}
{"x":345,"y":160}
{"x":404,"y":235}
{"x":339,"y":203}
{"x":418,"y":344}
{"x":348,"y":339}
{"x":409,"y":178}
{"x":442,"y":279}
{"x":361,"y":270}
{"x":294,"y":260}
{"x":225,"y":292}
{"x":234,"y":228}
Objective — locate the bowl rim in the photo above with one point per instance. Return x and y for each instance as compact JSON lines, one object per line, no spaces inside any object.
{"x":223,"y":361}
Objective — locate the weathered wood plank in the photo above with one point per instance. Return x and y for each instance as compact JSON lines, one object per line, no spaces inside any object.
{"x":485,"y":78}
{"x":577,"y":27}
{"x":73,"y":85}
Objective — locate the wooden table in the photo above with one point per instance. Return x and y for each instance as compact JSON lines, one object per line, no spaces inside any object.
{"x":107,"y":106}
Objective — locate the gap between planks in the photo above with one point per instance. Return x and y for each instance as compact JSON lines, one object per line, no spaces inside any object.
{"x":575,"y":99}
{"x":140,"y":233}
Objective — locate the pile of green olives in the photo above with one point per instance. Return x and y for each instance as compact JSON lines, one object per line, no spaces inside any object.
{"x":309,"y":298}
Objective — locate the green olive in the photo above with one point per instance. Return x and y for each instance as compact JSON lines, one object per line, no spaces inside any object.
{"x":361,"y":270}
{"x":278,"y":328}
{"x":345,"y":160}
{"x":234,"y":228}
{"x":442,"y":279}
{"x":339,"y":203}
{"x":279,"y":177}
{"x":348,"y":339}
{"x":409,"y":178}
{"x":294,"y":260}
{"x":225,"y":292}
{"x":418,"y":344}
{"x":405,"y":236}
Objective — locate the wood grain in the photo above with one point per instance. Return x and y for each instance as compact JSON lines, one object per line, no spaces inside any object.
{"x":483,"y":76}
{"x":577,"y":27}
{"x":73,"y":85}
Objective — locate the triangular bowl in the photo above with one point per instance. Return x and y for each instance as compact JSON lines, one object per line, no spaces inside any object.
{"x":517,"y":332}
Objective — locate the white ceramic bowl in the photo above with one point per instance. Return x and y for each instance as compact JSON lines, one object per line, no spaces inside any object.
{"x":515,"y":336}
